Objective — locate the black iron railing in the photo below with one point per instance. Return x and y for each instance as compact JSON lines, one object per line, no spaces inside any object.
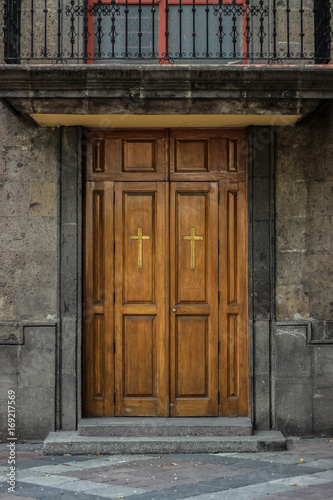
{"x":167,"y":31}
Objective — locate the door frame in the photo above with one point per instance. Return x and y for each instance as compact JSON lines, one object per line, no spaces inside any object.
{"x":261,"y":272}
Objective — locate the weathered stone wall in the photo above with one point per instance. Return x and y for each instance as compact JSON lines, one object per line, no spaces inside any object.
{"x":28,"y":273}
{"x":304,"y":276}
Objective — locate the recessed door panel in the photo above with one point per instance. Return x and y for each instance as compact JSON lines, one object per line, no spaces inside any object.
{"x":139,"y":155}
{"x":191,"y":250}
{"x":139,"y":346}
{"x":139,"y":213}
{"x":191,"y":155}
{"x":191,"y":350}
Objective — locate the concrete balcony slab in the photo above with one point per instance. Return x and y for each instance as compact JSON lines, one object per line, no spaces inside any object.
{"x":89,"y":95}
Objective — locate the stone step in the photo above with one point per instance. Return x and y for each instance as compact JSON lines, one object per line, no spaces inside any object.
{"x":58,"y":443}
{"x":136,"y":426}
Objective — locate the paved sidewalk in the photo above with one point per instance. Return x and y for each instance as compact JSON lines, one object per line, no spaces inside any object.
{"x":304,"y":472}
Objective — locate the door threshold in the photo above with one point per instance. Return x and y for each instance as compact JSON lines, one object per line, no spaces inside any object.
{"x":165,"y":426}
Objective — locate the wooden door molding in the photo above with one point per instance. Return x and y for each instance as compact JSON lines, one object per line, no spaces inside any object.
{"x":194,"y":299}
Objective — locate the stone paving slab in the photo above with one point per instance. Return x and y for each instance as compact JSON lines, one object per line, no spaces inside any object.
{"x":10,"y":496}
{"x":311,"y":493}
{"x":304,"y":471}
{"x":28,"y":491}
{"x":273,"y":490}
{"x":317,"y":449}
{"x":118,"y":492}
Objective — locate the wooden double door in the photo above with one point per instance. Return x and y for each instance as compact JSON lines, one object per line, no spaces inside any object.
{"x":165,"y":309}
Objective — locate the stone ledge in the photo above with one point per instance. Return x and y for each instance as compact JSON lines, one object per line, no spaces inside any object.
{"x":290,"y":80}
{"x":89,"y":89}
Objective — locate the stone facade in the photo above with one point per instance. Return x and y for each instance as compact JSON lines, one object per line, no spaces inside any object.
{"x":28,"y":273}
{"x":304,"y":276}
{"x":290,"y":271}
{"x":304,"y":191}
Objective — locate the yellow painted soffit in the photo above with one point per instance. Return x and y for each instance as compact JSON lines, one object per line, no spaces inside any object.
{"x":164,"y":121}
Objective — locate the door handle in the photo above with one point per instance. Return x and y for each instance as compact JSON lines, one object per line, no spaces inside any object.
{"x":174,"y":310}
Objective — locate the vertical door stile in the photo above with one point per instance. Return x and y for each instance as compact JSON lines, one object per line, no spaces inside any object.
{"x":118,"y":266}
{"x":161,"y":243}
{"x":168,"y":285}
{"x":213,"y":227}
{"x":223,"y":309}
{"x":109,"y":302}
{"x":242,"y":284}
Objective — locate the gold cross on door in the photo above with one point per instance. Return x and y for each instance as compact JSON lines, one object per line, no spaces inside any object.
{"x":193,"y":238}
{"x":140,"y":237}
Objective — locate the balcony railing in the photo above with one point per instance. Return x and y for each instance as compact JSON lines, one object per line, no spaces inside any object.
{"x":167,"y":31}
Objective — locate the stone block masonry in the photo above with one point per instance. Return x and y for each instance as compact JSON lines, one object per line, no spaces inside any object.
{"x":304,"y":276}
{"x":29,"y":159}
{"x":304,"y":215}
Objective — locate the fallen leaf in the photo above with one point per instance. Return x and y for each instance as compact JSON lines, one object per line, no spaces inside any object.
{"x":294,"y":485}
{"x":160,"y":466}
{"x":97,"y":453}
{"x":302,"y":459}
{"x":172,"y":463}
